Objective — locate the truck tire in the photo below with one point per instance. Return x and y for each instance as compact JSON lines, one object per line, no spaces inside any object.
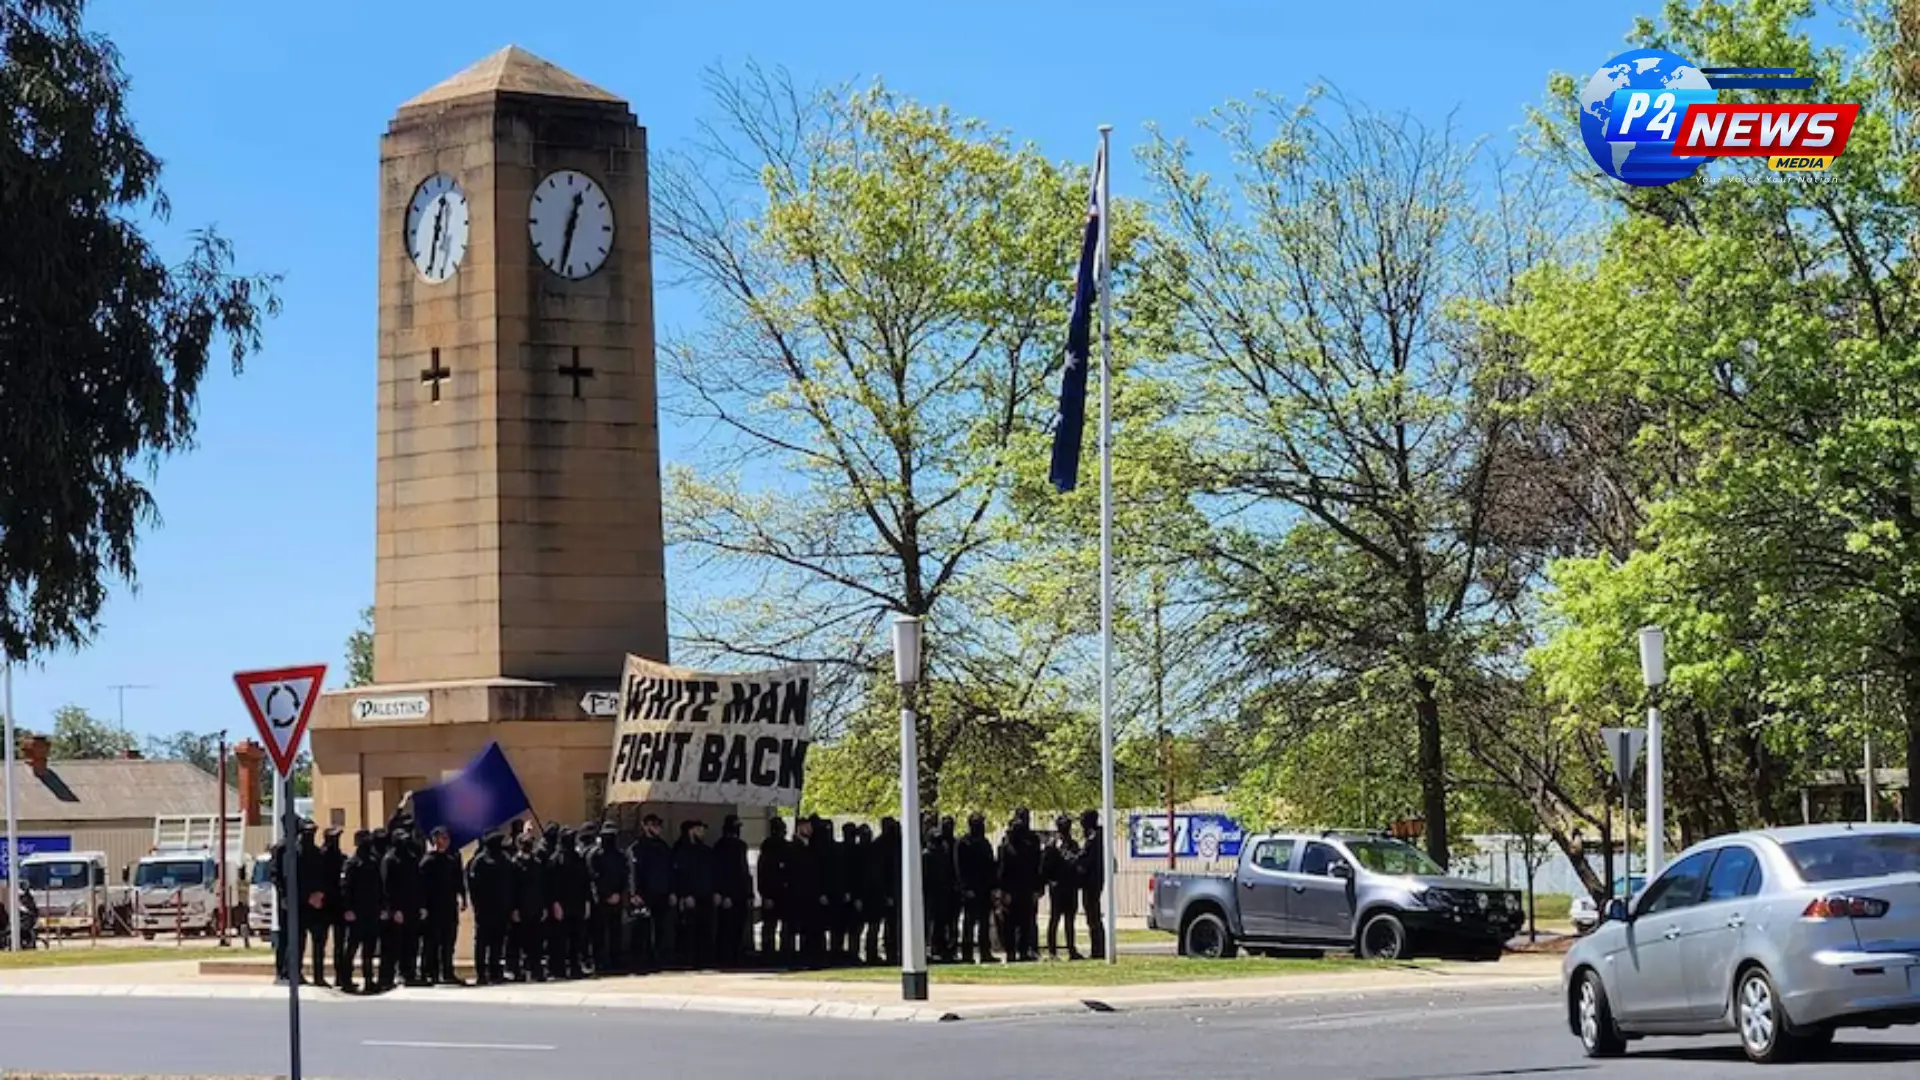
{"x":1206,"y":937}
{"x":1383,"y":937}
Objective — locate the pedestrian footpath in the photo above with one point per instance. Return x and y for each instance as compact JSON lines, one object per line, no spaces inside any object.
{"x":772,"y":995}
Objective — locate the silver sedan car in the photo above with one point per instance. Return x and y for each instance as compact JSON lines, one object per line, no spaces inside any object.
{"x":1781,"y":936}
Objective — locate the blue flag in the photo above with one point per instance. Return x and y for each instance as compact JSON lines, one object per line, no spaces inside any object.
{"x":485,"y":796}
{"x":1065,"y":472}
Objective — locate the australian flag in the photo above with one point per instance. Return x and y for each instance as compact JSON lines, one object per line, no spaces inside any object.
{"x":485,"y":796}
{"x":1065,"y":472}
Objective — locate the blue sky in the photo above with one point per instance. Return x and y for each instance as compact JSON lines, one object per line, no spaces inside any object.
{"x":268,"y":117}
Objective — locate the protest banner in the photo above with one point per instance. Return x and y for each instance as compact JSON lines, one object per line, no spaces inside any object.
{"x":702,"y":737}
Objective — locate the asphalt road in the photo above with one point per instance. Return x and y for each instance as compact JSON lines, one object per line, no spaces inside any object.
{"x":1386,"y":1037}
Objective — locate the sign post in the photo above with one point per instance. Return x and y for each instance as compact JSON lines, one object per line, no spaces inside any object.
{"x":1624,"y":746}
{"x":280,"y":700}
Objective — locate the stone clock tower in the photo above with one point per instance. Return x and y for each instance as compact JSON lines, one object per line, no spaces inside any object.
{"x":519,"y":548}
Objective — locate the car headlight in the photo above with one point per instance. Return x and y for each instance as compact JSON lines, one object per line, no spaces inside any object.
{"x":1436,"y":899}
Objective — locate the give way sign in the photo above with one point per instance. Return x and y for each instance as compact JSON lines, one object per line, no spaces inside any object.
{"x":280,"y":700}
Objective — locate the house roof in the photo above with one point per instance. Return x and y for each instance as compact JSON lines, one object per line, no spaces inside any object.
{"x":114,"y":789}
{"x":513,"y":70}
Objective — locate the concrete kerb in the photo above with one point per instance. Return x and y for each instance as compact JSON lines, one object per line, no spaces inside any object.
{"x":1226,"y":997}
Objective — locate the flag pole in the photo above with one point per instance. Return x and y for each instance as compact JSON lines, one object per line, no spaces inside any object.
{"x":1111,"y":945}
{"x":13,"y":824}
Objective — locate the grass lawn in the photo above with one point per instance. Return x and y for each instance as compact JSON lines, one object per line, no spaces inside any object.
{"x":1130,"y":969}
{"x":76,"y":955}
{"x":1552,"y":908}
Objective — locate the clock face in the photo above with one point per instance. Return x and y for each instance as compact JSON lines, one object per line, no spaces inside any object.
{"x":437,"y":227}
{"x":571,"y":223}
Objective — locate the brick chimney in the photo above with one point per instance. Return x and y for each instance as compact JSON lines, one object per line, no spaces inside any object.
{"x":249,"y":758}
{"x":36,"y":750}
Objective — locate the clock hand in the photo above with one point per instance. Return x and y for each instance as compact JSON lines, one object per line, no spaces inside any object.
{"x":439,"y":223}
{"x":573,"y":220}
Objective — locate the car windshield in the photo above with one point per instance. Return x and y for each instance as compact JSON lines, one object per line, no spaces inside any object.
{"x":262,"y":872}
{"x":1858,"y":855}
{"x":169,"y":875}
{"x":57,"y":875}
{"x":1393,"y":857}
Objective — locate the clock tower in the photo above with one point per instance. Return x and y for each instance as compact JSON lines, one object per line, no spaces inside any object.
{"x":519,"y":554}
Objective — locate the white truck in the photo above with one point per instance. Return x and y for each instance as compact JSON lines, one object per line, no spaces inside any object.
{"x":260,"y":894}
{"x":70,"y":889}
{"x":177,"y":886}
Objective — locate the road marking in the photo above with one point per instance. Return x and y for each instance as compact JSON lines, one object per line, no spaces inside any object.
{"x":1399,"y":1017}
{"x":408,"y":1045}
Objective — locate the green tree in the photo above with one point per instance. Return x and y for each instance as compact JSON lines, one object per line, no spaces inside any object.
{"x":1346,"y":434}
{"x":104,"y":343}
{"x":199,"y":749}
{"x":360,"y":651}
{"x":1767,"y":330}
{"x":885,"y":285}
{"x":79,"y":735}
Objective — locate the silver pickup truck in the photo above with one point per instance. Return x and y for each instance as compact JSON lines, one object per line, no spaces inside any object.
{"x":1377,"y":896}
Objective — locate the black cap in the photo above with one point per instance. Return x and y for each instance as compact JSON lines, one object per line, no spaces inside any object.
{"x":609,"y":829}
{"x":1089,"y":818}
{"x":361,"y":836}
{"x":334,"y":830}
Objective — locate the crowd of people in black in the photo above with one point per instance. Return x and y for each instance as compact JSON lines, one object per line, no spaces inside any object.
{"x":559,"y":903}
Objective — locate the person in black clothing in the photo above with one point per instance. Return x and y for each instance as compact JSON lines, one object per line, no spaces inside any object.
{"x":883,"y":894}
{"x":376,"y":855}
{"x":527,"y":938}
{"x":655,"y":905}
{"x":567,"y":889}
{"x":332,"y":862}
{"x":694,"y":883}
{"x":1090,"y":873}
{"x":1021,"y":883}
{"x":803,"y":925}
{"x":490,"y":889}
{"x":406,"y":911}
{"x":733,"y":885}
{"x":314,"y":915}
{"x":359,"y":913}
{"x":444,"y":882}
{"x":277,"y":874}
{"x":941,"y":886}
{"x":831,"y":866}
{"x":611,"y":875}
{"x":775,"y":874}
{"x":1063,"y":888}
{"x":854,"y":851}
{"x":586,"y":839}
{"x":974,"y":865}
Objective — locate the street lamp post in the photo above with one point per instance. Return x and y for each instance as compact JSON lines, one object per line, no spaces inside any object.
{"x":913,"y":925}
{"x":1653,"y":673}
